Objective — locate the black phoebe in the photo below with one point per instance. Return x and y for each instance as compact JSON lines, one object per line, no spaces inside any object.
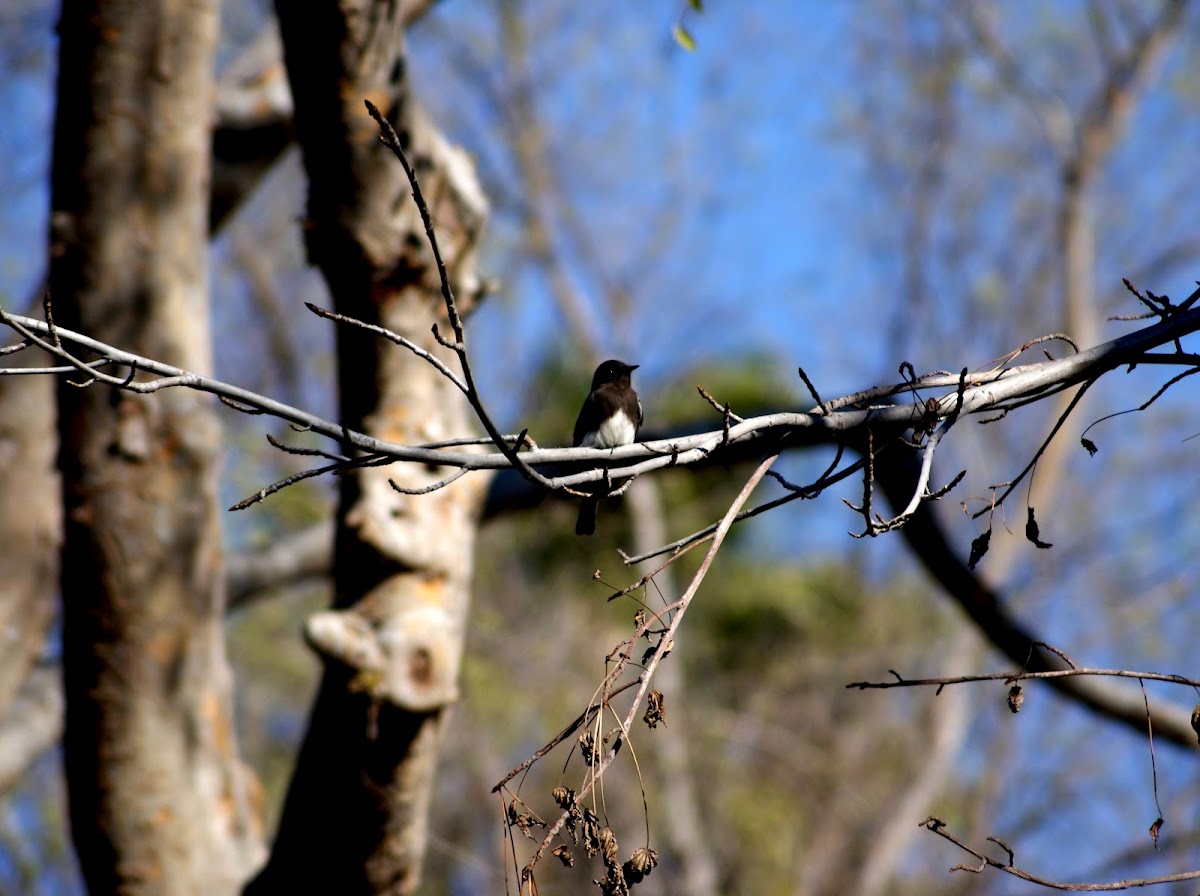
{"x":610,"y":417}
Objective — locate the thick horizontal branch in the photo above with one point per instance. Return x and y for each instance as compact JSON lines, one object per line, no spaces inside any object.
{"x":978,"y":393}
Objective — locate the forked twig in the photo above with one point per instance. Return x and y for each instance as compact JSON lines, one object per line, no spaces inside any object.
{"x":1008,"y":866}
{"x":390,"y":139}
{"x":596,"y":770}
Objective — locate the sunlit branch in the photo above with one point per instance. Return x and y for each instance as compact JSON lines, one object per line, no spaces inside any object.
{"x":842,"y":421}
{"x":986,"y":392}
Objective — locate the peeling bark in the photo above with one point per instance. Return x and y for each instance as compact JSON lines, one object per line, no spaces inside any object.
{"x":393,"y":641}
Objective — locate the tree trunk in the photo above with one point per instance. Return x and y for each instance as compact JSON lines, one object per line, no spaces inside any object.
{"x":159,"y":801}
{"x":355,"y":816}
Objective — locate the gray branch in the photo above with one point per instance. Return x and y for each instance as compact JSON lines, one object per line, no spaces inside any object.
{"x":891,"y":409}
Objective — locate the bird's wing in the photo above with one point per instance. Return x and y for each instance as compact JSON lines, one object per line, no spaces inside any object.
{"x":586,"y":414}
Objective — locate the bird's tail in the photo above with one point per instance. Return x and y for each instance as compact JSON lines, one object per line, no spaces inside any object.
{"x":585,"y":523}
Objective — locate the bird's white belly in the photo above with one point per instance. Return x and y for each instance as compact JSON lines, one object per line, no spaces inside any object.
{"x":617,"y":430}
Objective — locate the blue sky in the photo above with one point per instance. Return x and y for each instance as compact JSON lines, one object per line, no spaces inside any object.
{"x":784,"y":244}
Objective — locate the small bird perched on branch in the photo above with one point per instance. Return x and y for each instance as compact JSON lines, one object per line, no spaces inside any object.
{"x":610,"y":418}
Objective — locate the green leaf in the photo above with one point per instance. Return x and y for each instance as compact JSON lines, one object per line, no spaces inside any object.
{"x":683,"y":38}
{"x":697,"y":5}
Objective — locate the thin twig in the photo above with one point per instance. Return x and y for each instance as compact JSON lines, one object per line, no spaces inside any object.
{"x":441,"y":483}
{"x":1009,"y":677}
{"x":582,"y":719}
{"x":48,"y":314}
{"x":391,"y":336}
{"x":644,"y":680}
{"x":722,"y":408}
{"x":707,"y":532}
{"x":1144,"y":405}
{"x":1058,"y":424}
{"x":1008,"y":866}
{"x":812,"y":390}
{"x":342,"y":466}
{"x":1153,"y":765}
{"x":305,"y":452}
{"x":390,"y":139}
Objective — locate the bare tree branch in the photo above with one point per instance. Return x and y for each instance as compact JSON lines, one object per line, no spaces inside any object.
{"x":32,"y":725}
{"x":1023,"y":675}
{"x":664,"y":641}
{"x":1008,"y":866}
{"x":297,"y":556}
{"x":988,"y":611}
{"x":973,"y":394}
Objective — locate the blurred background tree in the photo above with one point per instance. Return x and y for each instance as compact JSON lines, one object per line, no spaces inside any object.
{"x":841,"y":187}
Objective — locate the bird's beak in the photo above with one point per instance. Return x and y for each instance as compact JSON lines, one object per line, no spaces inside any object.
{"x":633,"y":367}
